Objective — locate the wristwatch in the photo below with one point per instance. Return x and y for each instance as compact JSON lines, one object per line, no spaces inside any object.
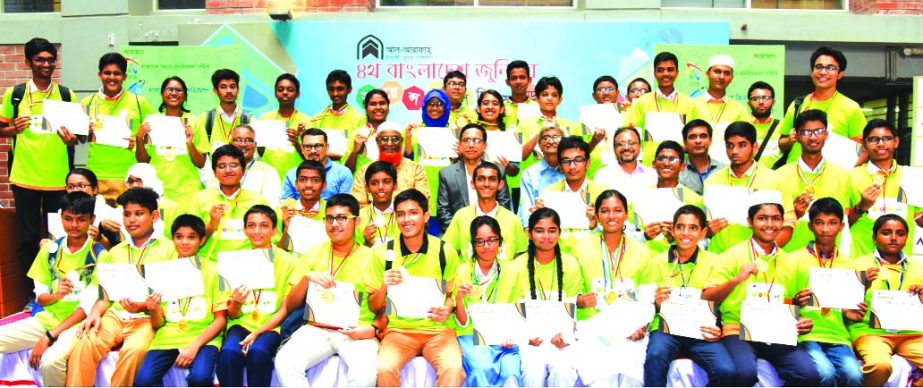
{"x":51,"y":338}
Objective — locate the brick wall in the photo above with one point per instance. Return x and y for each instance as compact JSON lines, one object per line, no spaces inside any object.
{"x":887,"y":7}
{"x":297,"y":6}
{"x":13,"y":70}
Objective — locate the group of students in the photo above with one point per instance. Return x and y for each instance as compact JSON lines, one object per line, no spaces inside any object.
{"x":481,"y":227}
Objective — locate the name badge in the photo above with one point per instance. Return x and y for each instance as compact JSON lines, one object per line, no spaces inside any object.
{"x":887,"y":206}
{"x":37,"y":125}
{"x":233,"y":229}
{"x":762,"y":291}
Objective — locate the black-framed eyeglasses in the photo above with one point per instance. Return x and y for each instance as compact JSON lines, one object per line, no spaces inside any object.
{"x":48,"y":60}
{"x":879,"y":139}
{"x":828,"y":68}
{"x":480,"y":242}
{"x":340,"y":218}
{"x":313,"y":147}
{"x":390,"y":139}
{"x":573,"y":162}
{"x":668,"y":159}
{"x":551,"y":139}
{"x":812,"y":132}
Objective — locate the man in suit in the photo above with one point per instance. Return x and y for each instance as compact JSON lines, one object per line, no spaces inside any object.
{"x":456,"y":183}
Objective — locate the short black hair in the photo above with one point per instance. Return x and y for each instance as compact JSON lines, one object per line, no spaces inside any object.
{"x":625,"y":129}
{"x":163,"y":88}
{"x":454,"y":74}
{"x":373,"y":92}
{"x":380,"y":166}
{"x":223,"y":74}
{"x":826,"y":205}
{"x":228,"y":150}
{"x":314,"y":132}
{"x":262,"y":209}
{"x":810,"y":115}
{"x":880,"y":222}
{"x":188,"y":221}
{"x":474,"y":126}
{"x":517,"y":64}
{"x":486,"y":165}
{"x":86,"y":173}
{"x":289,"y":77}
{"x":78,"y":202}
{"x":571,"y":142}
{"x":641,"y":79}
{"x":113,"y":59}
{"x":412,"y":195}
{"x":664,"y":57}
{"x":38,"y":45}
{"x":761,"y":85}
{"x":829,"y":51}
{"x":695,"y":124}
{"x":312,"y":165}
{"x":546,"y":82}
{"x":339,"y":76}
{"x":693,"y":210}
{"x":878,"y":123}
{"x":751,"y":212}
{"x":346,"y":200}
{"x":610,"y":193}
{"x":143,"y":196}
{"x":741,"y":128}
{"x":671,"y":145}
{"x":605,"y":78}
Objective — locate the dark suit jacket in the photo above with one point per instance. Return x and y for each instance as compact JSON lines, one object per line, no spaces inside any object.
{"x":453,"y":192}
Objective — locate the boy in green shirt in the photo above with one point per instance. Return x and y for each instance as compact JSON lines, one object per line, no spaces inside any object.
{"x":220,"y":122}
{"x":189,"y":329}
{"x":339,"y":114}
{"x":518,"y":78}
{"x":61,"y":271}
{"x":288,"y":89}
{"x":455,"y":86}
{"x":312,"y":178}
{"x":668,"y":164}
{"x":377,"y":224}
{"x":715,"y":106}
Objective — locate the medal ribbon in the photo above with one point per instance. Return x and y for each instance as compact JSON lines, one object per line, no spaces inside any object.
{"x":387,"y":227}
{"x":903,"y":270}
{"x":678,"y":267}
{"x":810,"y":185}
{"x":224,"y":130}
{"x":609,"y":262}
{"x":45,"y":97}
{"x":140,"y":257}
{"x":490,"y":282}
{"x":112,"y":108}
{"x":812,"y":248}
{"x":753,"y":257}
{"x":336,"y":271}
{"x":749,"y":181}
{"x":673,"y":103}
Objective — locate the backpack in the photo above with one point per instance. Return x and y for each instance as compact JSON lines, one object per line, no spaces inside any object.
{"x":381,"y":319}
{"x":88,"y":263}
{"x":210,"y":121}
{"x":19,"y":91}
{"x":784,"y":157}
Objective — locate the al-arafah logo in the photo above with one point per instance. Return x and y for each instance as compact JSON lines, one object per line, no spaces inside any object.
{"x":370,"y":45}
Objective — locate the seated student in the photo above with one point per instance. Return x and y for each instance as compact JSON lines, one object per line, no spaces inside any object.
{"x":487,"y":179}
{"x":808,"y":178}
{"x":188,"y":330}
{"x":103,"y":230}
{"x":287,"y":91}
{"x":542,"y":174}
{"x":258,"y":177}
{"x":752,"y":269}
{"x":314,"y":146}
{"x":339,"y":114}
{"x":550,"y":274}
{"x":415,"y":254}
{"x":255,"y":315}
{"x":339,"y":260}
{"x":612,"y":266}
{"x":310,"y":183}
{"x":484,"y":279}
{"x":61,"y":272}
{"x":123,"y":324}
{"x":144,"y":175}
{"x":223,"y":209}
{"x":828,"y":343}
{"x":410,"y":175}
{"x":888,"y":268}
{"x":456,"y":186}
{"x":684,"y":266}
{"x":668,"y":163}
{"x":377,"y":224}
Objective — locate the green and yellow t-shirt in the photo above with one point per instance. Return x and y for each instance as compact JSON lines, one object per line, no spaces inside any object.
{"x":230,"y":233}
{"x":155,"y":250}
{"x":186,"y":318}
{"x":514,"y":238}
{"x":317,"y":214}
{"x":680,"y":104}
{"x":844,"y":118}
{"x":511,"y":112}
{"x":501,"y":285}
{"x":64,"y":262}
{"x":284,"y":160}
{"x":262,"y":304}
{"x":588,"y":194}
{"x":350,"y":269}
{"x":891,"y":200}
{"x":174,"y":165}
{"x":893,"y":277}
{"x":829,"y":327}
{"x":542,"y":279}
{"x":606,"y":272}
{"x":719,"y":113}
{"x":106,"y":161}
{"x":666,"y":271}
{"x":347,"y":119}
{"x":827,"y":180}
{"x":424,"y":263}
{"x":386,"y":227}
{"x":41,"y":158}
{"x":755,"y":178}
{"x":221,"y":130}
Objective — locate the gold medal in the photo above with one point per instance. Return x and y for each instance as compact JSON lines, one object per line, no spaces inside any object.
{"x":255,"y":314}
{"x":810,"y":190}
{"x":326,"y":296}
{"x":878,"y":180}
{"x":611,"y":297}
{"x":476,"y":291}
{"x":182,"y":325}
{"x":379,"y":221}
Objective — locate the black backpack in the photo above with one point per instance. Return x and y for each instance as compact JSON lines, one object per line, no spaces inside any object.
{"x":784,"y":157}
{"x":210,"y":121}
{"x":19,"y":91}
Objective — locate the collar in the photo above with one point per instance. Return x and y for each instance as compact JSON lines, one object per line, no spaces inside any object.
{"x":33,"y":88}
{"x":338,"y":112}
{"x":492,"y":213}
{"x":669,"y":97}
{"x":747,"y":173}
{"x":113,"y":98}
{"x":147,"y":243}
{"x":314,"y":208}
{"x":423,"y":248}
{"x":328,"y":163}
{"x":546,"y":166}
{"x":389,"y":210}
{"x":712,"y":164}
{"x":68,"y":251}
{"x":671,"y":258}
{"x":639,"y":169}
{"x":878,"y":257}
{"x":229,"y":197}
{"x":711,"y":98}
{"x":759,"y":250}
{"x":873,"y":169}
{"x":582,"y":186}
{"x":227,"y":117}
{"x":804,"y":166}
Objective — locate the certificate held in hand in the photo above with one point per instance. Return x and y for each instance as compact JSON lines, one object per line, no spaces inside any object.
{"x":271,"y":134}
{"x":617,"y":321}
{"x":415,"y":296}
{"x":570,"y":206}
{"x":436,"y":142}
{"x":175,"y":279}
{"x":336,"y":141}
{"x":166,"y":131}
{"x":547,"y":318}
{"x":66,"y":114}
{"x":728,"y":202}
{"x":336,"y":307}
{"x":836,"y":288}
{"x":505,"y":144}
{"x":112,"y":131}
{"x":896,"y":310}
{"x":684,"y":315}
{"x":251,"y":268}
{"x":497,"y":323}
{"x":773,"y":323}
{"x":305,"y":233}
{"x":663,"y":126}
{"x":121,"y":281}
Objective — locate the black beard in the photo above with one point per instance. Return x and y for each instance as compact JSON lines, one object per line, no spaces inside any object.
{"x":761,"y":116}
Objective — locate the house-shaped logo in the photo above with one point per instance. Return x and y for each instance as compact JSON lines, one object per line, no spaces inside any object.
{"x":370,"y":45}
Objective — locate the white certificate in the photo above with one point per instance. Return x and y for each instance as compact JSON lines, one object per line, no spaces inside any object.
{"x":496,"y":323}
{"x":337,"y":306}
{"x":570,"y":206}
{"x":841,"y":150}
{"x":121,"y":281}
{"x":336,"y":141}
{"x":913,"y":184}
{"x":729,"y":202}
{"x":836,"y":288}
{"x":250,"y":268}
{"x":685,"y":316}
{"x":603,"y":116}
{"x":505,"y":144}
{"x":415,"y":296}
{"x":656,"y":205}
{"x":663,"y":126}
{"x":166,"y":131}
{"x":436,"y":142}
{"x":527,"y":112}
{"x":718,"y":151}
{"x":113,"y":131}
{"x":55,"y":226}
{"x":896,"y":310}
{"x":66,"y":114}
{"x":617,"y":321}
{"x":175,"y":279}
{"x":547,"y":318}
{"x":768,"y":322}
{"x":271,"y":134}
{"x":305,"y":233}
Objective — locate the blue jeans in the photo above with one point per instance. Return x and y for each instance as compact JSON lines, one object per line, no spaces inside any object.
{"x":793,"y":365}
{"x":488,"y":366}
{"x":257,"y":361}
{"x":158,"y":362}
{"x":836,"y":364}
{"x":663,"y":348}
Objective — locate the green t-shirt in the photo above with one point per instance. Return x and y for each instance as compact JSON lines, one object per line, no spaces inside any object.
{"x":543,"y":278}
{"x":682,"y":104}
{"x":65,"y":262}
{"x":771,"y":153}
{"x":221,"y":130}
{"x":514,"y":238}
{"x":41,"y":158}
{"x":756,"y":178}
{"x":505,"y":288}
{"x":262,"y":304}
{"x":352,"y":270}
{"x":844,"y":117}
{"x":719,"y":114}
{"x":185,"y":319}
{"x":155,"y":251}
{"x":511,"y":112}
{"x":230,"y":234}
{"x":106,"y":161}
{"x":891,"y":200}
{"x":388,"y":230}
{"x":829,"y":327}
{"x":665,"y":271}
{"x":604,"y":272}
{"x":888,"y":279}
{"x":284,"y":160}
{"x":174,"y":165}
{"x":830,"y":181}
{"x":347,"y":119}
{"x":589,"y":193}
{"x":424,"y":263}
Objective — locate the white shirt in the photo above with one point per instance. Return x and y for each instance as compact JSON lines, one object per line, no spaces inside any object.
{"x":614,"y":177}
{"x":229,"y":118}
{"x":670,"y":96}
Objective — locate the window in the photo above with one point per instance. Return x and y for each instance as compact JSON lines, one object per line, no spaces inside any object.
{"x":757,"y":4}
{"x":16,"y":6}
{"x":180,"y":4}
{"x":476,"y":3}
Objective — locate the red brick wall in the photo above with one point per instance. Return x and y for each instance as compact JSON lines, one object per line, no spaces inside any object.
{"x":13,"y":70}
{"x":297,"y":6}
{"x":887,"y":7}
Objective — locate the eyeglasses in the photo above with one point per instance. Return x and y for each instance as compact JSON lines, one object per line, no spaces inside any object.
{"x":551,"y":139}
{"x":638,"y":91}
{"x":174,"y":90}
{"x":436,"y":103}
{"x":628,"y":144}
{"x":760,"y":98}
{"x":337,"y":219}
{"x":573,"y":162}
{"x":134,"y":181}
{"x":313,"y":147}
{"x":879,"y":140}
{"x":78,"y":186}
{"x":245,"y":140}
{"x":48,"y":60}
{"x":472,"y":141}
{"x":454,"y":84}
{"x":605,"y":90}
{"x":390,"y":139}
{"x":830,"y":68}
{"x":480,"y":242}
{"x":668,"y":159}
{"x":812,"y":132}
{"x":227,"y":166}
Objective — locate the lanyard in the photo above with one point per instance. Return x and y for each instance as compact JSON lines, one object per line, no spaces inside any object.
{"x":554,"y":275}
{"x":673,"y":102}
{"x":45,"y":97}
{"x":678,"y":267}
{"x":335,"y":271}
{"x":903,"y":270}
{"x":885,"y":174}
{"x":812,"y":248}
{"x":724,"y":104}
{"x":96,"y":105}
{"x":224,"y":129}
{"x":609,"y":261}
{"x":775,"y":263}
{"x":490,"y":282}
{"x":246,"y":173}
{"x":140,"y":257}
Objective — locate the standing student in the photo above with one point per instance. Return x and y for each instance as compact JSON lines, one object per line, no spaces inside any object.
{"x":377,"y":105}
{"x":188,"y":330}
{"x":542,"y":174}
{"x":636,"y":88}
{"x":310,"y":184}
{"x":715,"y":106}
{"x":415,"y":254}
{"x":339,"y":114}
{"x":314,"y":146}
{"x":259,"y":177}
{"x":62,"y":270}
{"x":549,"y":275}
{"x":220,"y":122}
{"x":455,"y":86}
{"x":377,"y":223}
{"x":485,"y":279}
{"x":668,"y":164}
{"x":178,"y":166}
{"x":492,"y":116}
{"x":113,"y":102}
{"x":123,"y":324}
{"x":518,"y":78}
{"x":409,"y":173}
{"x":681,"y":272}
{"x":41,"y":156}
{"x":549,"y":94}
{"x":254,"y":316}
{"x":287,"y":91}
{"x":697,"y":138}
{"x":328,"y":265}
{"x":761,"y":97}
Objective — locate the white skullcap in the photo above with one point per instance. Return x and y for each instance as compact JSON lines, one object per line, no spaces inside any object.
{"x":721,"y":59}
{"x":762,"y":197}
{"x":388,"y":126}
{"x":148,"y":176}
